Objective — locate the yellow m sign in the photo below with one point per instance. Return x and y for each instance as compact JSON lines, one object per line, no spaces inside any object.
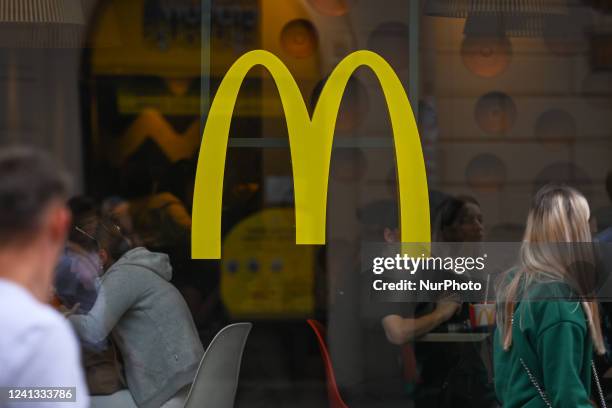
{"x":310,"y":141}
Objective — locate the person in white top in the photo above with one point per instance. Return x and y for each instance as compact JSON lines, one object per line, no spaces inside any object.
{"x":39,"y":356}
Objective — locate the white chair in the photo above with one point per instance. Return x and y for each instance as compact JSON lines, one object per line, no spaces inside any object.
{"x":216,"y":380}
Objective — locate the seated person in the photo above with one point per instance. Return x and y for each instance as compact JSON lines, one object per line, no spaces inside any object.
{"x":79,"y":267}
{"x":457,"y":368}
{"x":149,"y":320}
{"x":76,"y":288}
{"x":370,"y":340}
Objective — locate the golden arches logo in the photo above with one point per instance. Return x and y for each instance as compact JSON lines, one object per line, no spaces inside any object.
{"x":310,"y":142}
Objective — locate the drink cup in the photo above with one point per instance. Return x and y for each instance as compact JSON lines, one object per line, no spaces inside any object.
{"x":482,"y":315}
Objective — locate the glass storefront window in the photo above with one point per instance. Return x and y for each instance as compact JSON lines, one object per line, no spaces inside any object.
{"x":508,"y":96}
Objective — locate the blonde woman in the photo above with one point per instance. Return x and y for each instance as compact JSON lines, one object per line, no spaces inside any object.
{"x":547,"y":330}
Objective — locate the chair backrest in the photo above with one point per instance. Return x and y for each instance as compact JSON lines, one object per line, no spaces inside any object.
{"x":333,"y":394}
{"x":216,"y":380}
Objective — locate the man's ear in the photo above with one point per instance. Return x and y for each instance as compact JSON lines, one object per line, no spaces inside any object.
{"x":391,"y":235}
{"x":59,"y":218}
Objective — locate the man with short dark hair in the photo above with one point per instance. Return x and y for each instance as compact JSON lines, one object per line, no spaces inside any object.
{"x":37,"y":346}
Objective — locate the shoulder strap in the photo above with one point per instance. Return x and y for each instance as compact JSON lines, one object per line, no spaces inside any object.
{"x":536,"y":384}
{"x":544,"y":396}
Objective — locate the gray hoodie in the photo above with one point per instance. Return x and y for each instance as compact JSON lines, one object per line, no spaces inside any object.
{"x":151,"y":324}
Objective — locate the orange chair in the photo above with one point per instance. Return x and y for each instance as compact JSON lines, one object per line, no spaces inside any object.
{"x":335,"y":399}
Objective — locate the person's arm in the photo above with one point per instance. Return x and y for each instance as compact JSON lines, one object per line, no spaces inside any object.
{"x":400,"y":330}
{"x":117,"y":294}
{"x":561,"y":347}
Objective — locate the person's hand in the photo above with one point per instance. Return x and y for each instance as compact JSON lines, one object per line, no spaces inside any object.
{"x":447,"y":307}
{"x":68,"y":312}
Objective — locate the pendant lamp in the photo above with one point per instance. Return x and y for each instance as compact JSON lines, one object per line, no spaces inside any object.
{"x":512,"y":18}
{"x":464,"y":8}
{"x":41,"y":23}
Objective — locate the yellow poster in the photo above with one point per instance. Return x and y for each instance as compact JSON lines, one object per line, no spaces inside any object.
{"x":264,"y":273}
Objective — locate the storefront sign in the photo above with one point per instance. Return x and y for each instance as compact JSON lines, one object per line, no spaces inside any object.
{"x":310,"y":141}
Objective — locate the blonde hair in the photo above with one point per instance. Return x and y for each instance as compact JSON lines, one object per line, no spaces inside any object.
{"x":558,"y":215}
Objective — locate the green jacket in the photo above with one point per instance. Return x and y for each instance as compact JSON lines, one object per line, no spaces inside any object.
{"x":552,"y":338}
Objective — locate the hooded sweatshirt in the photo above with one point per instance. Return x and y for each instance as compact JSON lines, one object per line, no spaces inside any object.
{"x":150,"y":323}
